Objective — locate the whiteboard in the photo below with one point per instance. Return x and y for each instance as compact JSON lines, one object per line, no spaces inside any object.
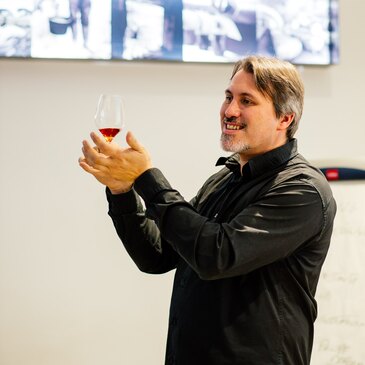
{"x":340,"y":326}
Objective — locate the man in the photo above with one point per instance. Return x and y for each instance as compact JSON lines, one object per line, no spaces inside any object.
{"x":249,"y":248}
{"x":173,"y":33}
{"x":119,"y":27}
{"x":82,"y":7}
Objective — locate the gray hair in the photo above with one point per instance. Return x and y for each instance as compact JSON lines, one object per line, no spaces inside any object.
{"x":278,"y":80}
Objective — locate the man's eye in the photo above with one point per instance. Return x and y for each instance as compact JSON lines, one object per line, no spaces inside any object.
{"x":246,"y":101}
{"x":228,"y":98}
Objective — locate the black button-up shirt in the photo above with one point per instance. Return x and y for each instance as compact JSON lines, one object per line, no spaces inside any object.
{"x":248,"y":251}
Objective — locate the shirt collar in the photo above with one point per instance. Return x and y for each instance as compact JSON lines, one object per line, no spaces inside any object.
{"x":262,"y":163}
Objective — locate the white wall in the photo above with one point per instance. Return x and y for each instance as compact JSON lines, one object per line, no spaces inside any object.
{"x":69,"y":294}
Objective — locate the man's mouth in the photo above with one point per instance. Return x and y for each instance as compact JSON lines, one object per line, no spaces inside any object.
{"x":230,"y":124}
{"x":233,"y":126}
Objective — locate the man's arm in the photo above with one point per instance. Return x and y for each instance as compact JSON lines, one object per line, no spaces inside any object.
{"x":117,"y":167}
{"x":139,"y":235}
{"x":266,"y":231}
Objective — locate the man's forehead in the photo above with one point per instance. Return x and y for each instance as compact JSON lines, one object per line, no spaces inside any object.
{"x":243,"y":83}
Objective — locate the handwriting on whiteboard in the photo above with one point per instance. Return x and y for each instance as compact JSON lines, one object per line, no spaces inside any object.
{"x":340,"y":326}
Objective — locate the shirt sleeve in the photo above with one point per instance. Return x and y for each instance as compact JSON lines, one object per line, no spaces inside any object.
{"x":139,"y":235}
{"x":268,"y":230}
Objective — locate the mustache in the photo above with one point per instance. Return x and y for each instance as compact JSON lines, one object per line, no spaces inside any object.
{"x":230,"y":120}
{"x":234,"y":120}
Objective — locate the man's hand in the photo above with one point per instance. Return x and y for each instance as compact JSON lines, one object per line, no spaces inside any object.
{"x":114,"y":166}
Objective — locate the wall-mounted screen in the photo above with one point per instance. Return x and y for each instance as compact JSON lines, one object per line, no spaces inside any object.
{"x":300,"y":31}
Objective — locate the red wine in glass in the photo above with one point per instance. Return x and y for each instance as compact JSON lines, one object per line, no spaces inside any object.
{"x":109,"y":133}
{"x":109,"y":116}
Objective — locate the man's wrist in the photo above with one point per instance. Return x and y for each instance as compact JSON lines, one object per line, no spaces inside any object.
{"x":121,"y":190}
{"x":123,"y":203}
{"x":150,"y":183}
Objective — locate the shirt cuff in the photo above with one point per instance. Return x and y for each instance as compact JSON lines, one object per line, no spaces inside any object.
{"x":125,"y":203}
{"x":150,"y":183}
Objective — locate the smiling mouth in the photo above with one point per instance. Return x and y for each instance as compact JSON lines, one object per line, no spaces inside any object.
{"x":233,"y":127}
{"x":231,"y":124}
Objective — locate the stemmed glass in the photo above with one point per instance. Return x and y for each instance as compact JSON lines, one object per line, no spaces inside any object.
{"x":109,"y":117}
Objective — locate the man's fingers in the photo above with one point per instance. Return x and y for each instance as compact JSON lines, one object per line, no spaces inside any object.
{"x":88,"y":150}
{"x":101,"y":144}
{"x":133,"y":143}
{"x":85,"y":166}
{"x":92,"y":168}
{"x":93,"y":156}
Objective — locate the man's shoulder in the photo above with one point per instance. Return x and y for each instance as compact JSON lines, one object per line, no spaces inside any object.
{"x":300,"y":171}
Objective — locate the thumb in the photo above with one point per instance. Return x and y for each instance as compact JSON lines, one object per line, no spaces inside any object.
{"x":133,"y":143}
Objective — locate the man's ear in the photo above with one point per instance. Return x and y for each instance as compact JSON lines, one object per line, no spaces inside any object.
{"x":285,"y":121}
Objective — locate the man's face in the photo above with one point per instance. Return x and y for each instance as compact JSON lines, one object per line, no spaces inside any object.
{"x":248,"y":121}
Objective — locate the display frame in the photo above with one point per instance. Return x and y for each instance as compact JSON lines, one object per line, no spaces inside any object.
{"x":304,"y":32}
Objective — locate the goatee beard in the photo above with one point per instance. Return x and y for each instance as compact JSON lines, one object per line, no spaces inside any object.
{"x":229,"y":145}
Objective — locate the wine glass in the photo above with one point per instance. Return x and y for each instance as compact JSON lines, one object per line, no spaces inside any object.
{"x":109,"y":117}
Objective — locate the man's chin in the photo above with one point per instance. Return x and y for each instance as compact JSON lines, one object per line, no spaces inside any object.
{"x":229,"y":145}
{"x":226,"y":148}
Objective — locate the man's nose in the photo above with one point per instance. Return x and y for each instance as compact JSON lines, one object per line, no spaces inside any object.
{"x":232,"y":110}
